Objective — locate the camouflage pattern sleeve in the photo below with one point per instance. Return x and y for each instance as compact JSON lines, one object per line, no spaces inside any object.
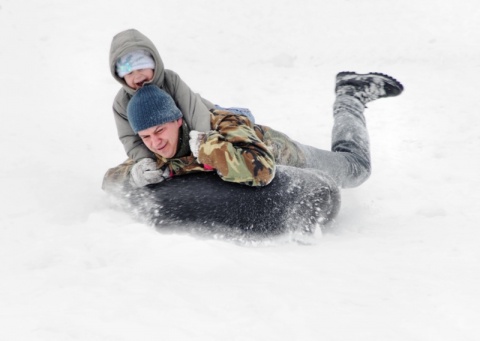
{"x":116,"y":179}
{"x":236,"y":150}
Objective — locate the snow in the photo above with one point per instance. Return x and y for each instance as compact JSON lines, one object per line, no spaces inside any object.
{"x":403,"y":262}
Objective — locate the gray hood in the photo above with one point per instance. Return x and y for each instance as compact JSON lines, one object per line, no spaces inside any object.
{"x":131,"y":40}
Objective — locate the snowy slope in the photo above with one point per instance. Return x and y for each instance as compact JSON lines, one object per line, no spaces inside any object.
{"x":404,"y":263}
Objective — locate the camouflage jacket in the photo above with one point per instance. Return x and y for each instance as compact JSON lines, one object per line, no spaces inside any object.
{"x":234,"y":148}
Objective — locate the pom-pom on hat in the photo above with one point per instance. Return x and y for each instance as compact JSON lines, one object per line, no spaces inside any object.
{"x":151,"y":106}
{"x":135,"y":60}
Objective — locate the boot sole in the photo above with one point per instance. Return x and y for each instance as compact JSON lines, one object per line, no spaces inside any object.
{"x":395,"y":86}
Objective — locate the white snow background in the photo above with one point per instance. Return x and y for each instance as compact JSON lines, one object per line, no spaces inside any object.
{"x":404,"y":260}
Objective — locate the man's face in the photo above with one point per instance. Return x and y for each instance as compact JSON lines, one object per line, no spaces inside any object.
{"x":162,"y":139}
{"x":137,"y":78}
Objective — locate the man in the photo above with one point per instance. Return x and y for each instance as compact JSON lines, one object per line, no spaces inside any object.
{"x":243,"y":152}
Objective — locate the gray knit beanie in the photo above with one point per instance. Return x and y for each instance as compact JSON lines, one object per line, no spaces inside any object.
{"x":151,"y":106}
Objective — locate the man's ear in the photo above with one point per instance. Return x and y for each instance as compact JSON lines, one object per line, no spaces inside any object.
{"x":179,"y":122}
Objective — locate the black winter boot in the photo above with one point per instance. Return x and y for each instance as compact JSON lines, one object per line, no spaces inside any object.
{"x":368,"y":87}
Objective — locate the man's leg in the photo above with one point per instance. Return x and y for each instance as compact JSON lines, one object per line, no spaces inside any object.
{"x":349,"y":161}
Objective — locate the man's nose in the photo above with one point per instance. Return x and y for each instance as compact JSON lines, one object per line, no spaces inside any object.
{"x":156,"y":138}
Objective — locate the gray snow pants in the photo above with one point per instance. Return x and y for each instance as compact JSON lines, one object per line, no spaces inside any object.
{"x":349,"y":161}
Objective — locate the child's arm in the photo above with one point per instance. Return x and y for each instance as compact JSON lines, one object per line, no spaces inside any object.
{"x":195,"y":109}
{"x":133,"y":144}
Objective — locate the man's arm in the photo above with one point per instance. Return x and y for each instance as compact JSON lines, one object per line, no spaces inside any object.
{"x":237,"y":151}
